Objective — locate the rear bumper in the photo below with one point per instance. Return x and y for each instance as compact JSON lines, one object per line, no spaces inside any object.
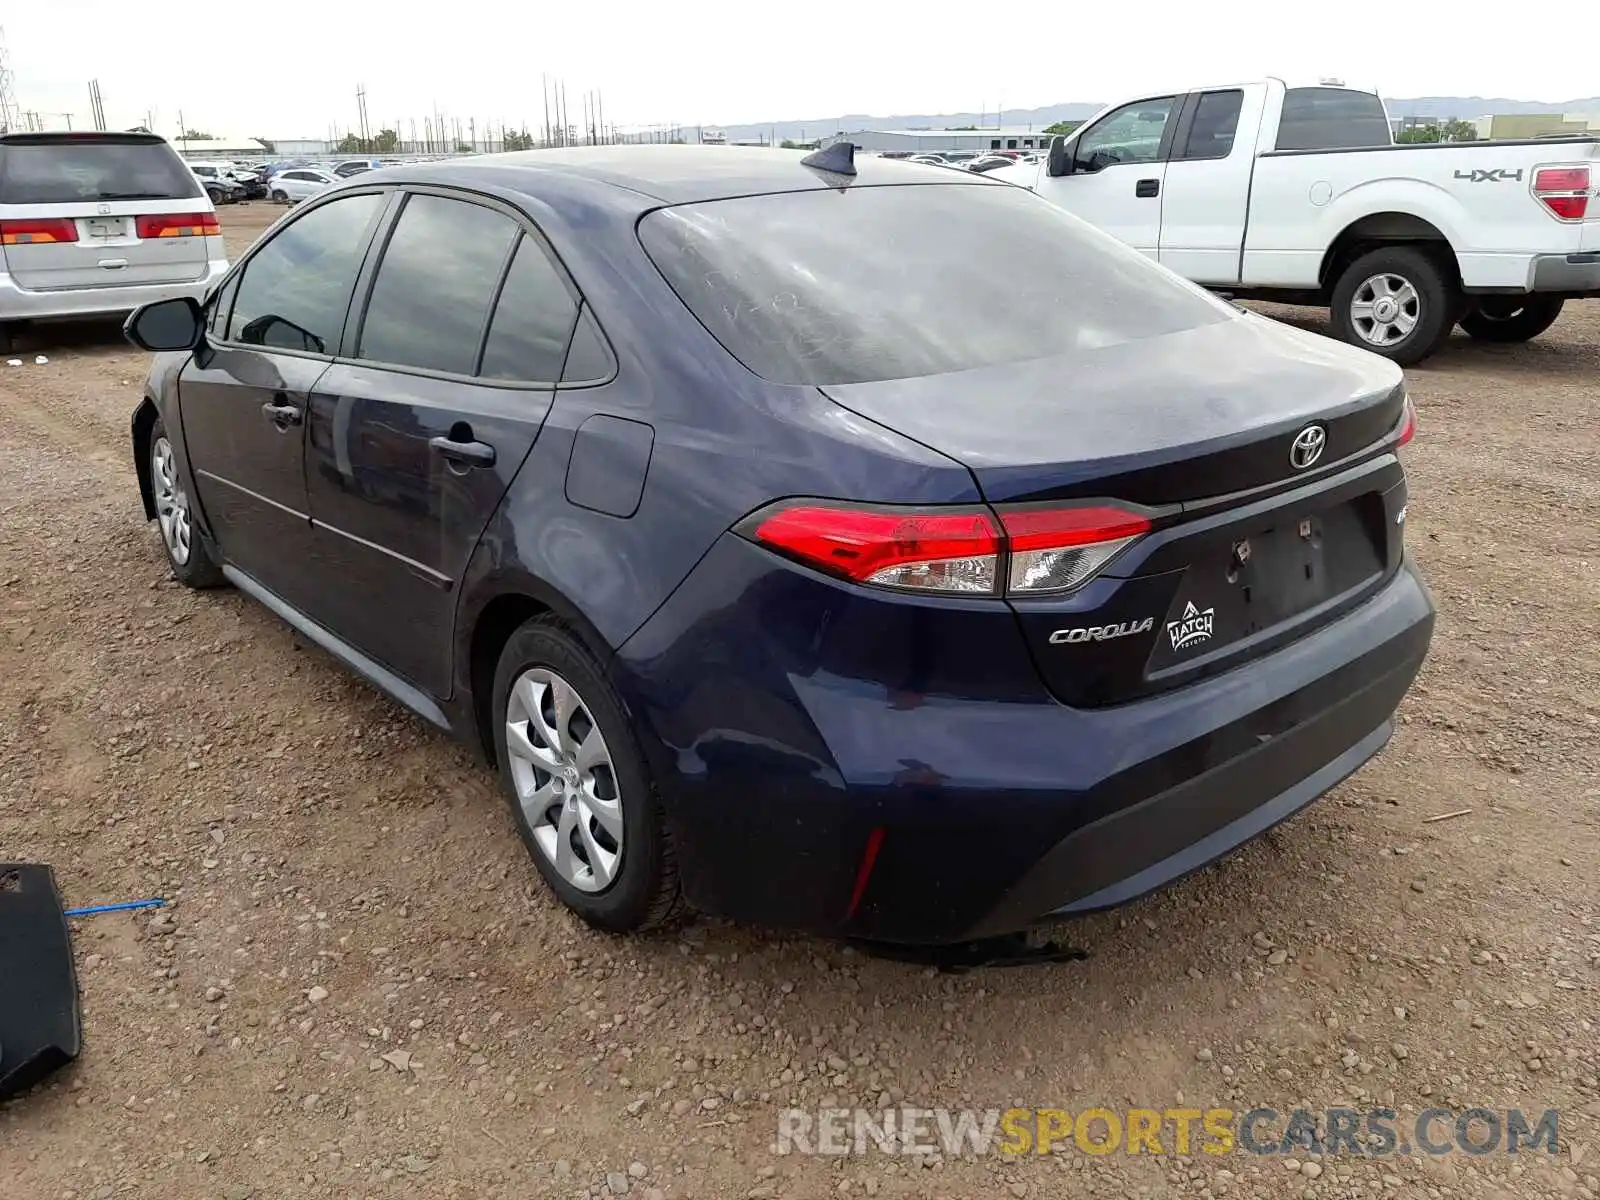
{"x":19,"y":304}
{"x":996,"y":812}
{"x":1571,"y":274}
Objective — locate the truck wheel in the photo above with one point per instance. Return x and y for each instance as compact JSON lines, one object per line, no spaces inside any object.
{"x":1512,"y":318}
{"x":1395,"y":301}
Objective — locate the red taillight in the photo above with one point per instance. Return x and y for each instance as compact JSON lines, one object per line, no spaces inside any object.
{"x":931,"y":551}
{"x":1046,"y":550}
{"x":35,"y":231}
{"x":1564,"y":191}
{"x":1408,"y":424}
{"x":160,"y":225}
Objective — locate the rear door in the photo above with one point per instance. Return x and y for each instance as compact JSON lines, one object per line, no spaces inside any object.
{"x":415,"y":436}
{"x":243,"y":396}
{"x":1118,"y":169}
{"x":1206,"y":190}
{"x":100,"y":210}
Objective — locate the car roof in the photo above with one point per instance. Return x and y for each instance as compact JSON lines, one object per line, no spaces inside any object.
{"x":670,"y":174}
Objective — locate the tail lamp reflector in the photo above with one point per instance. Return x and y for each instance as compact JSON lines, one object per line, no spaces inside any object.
{"x":38,"y":230}
{"x":1564,"y":191}
{"x":959,"y":552}
{"x":167,"y":225}
{"x":1408,"y":424}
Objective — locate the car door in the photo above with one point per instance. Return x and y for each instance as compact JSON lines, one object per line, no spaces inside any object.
{"x":1118,"y":165}
{"x":243,"y":395}
{"x":415,"y":437}
{"x":1206,"y":192}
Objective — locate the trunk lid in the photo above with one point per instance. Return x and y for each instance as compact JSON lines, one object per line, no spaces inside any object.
{"x":1196,"y":414}
{"x":1247,"y":550}
{"x":101,"y":184}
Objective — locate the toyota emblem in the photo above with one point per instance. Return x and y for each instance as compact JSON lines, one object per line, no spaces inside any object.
{"x":1307,"y":446}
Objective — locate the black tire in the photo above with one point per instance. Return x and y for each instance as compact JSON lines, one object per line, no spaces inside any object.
{"x":1512,"y":318}
{"x":8,"y":336}
{"x":215,"y":196}
{"x":198,"y":569}
{"x":1436,"y":306}
{"x":644,"y":891}
{"x":279,"y":196}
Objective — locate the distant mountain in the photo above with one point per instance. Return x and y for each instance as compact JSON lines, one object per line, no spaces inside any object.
{"x":818,"y":127}
{"x":1463,"y":107}
{"x":1466,"y":107}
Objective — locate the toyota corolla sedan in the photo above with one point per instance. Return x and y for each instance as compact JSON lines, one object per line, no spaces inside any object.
{"x":849,"y":546}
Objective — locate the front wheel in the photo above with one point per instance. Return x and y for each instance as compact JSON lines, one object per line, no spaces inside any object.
{"x":1395,"y":301}
{"x":191,"y":562}
{"x":1512,"y":318}
{"x":279,"y":196}
{"x":578,"y":786}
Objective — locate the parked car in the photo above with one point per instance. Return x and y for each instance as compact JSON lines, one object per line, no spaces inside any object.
{"x":220,"y":185}
{"x":301,"y":183}
{"x":790,"y":537}
{"x":1300,"y":195}
{"x":985,"y":163}
{"x":96,"y":224}
{"x":355,"y":166}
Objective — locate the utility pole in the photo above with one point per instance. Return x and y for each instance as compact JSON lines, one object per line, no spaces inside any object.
{"x":544,"y":88}
{"x":183,"y":132}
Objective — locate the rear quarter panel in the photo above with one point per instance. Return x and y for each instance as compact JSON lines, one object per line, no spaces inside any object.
{"x":1477,"y":194}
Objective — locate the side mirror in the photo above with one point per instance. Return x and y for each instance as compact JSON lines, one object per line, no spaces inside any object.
{"x":166,"y":325}
{"x":1060,"y":160}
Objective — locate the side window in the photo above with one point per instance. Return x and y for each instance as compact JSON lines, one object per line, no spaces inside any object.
{"x":296,"y":288}
{"x":1131,"y":134}
{"x":1216,"y":121}
{"x":532,"y":321}
{"x":433,"y":289}
{"x":589,"y":359}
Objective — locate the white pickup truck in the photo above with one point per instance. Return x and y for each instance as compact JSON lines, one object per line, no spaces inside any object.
{"x":1300,"y":195}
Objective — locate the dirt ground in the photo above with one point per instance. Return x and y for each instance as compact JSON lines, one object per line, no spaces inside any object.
{"x":346,"y":884}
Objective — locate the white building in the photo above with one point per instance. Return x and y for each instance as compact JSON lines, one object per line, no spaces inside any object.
{"x":218,"y":147}
{"x":934,"y":141}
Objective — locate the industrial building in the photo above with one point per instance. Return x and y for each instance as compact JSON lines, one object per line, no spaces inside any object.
{"x":935,"y":141}
{"x":1537,"y":125}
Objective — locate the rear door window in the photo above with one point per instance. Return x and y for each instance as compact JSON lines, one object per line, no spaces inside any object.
{"x":532,"y":321}
{"x":295,"y":290}
{"x":820,"y":288}
{"x":1216,"y":121}
{"x":1319,"y":118}
{"x":431,"y":297}
{"x":70,"y":170}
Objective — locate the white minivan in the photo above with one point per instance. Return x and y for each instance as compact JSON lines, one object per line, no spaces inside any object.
{"x":96,"y":224}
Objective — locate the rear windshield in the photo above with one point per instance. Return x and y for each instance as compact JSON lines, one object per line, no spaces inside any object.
{"x":1332,"y":119}
{"x":828,"y":287}
{"x":62,"y":172}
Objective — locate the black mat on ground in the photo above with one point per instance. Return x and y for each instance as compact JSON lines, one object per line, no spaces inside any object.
{"x":40,"y":1030}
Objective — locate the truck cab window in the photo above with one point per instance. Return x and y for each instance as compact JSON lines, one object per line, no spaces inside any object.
{"x":1216,"y":121}
{"x":1131,"y":134}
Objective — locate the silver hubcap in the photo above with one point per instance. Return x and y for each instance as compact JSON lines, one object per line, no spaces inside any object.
{"x":565,"y":780}
{"x":172,"y":502}
{"x":1385,"y":310}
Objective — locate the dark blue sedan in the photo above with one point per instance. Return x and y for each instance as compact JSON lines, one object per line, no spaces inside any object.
{"x":857,"y":547}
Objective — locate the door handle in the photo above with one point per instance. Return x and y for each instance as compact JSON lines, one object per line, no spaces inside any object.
{"x":464,"y":453}
{"x":1147,"y":188}
{"x":280,"y":412}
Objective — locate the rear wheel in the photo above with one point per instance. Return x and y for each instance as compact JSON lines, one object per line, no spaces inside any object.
{"x":191,"y":561}
{"x":1395,"y":301}
{"x":579,"y":789}
{"x":1512,"y":318}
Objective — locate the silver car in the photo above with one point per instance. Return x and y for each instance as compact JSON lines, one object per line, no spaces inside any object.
{"x":96,"y":224}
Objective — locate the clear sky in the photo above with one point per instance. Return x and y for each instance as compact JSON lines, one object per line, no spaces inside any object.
{"x":289,"y":68}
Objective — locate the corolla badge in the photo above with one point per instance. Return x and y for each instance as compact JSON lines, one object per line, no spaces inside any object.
{"x":1192,"y":628}
{"x":1101,"y":633}
{"x":1307,"y":446}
